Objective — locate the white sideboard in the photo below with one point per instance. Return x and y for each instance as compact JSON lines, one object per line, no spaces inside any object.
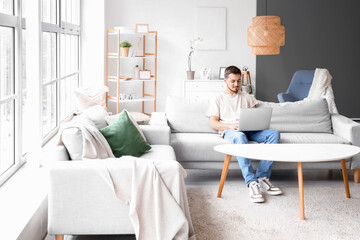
{"x":202,"y":89}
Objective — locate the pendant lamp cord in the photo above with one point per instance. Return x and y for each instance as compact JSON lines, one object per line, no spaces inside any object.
{"x":266,"y":13}
{"x":265,"y":7}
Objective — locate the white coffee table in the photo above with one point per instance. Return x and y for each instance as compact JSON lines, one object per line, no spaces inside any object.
{"x":298,"y":153}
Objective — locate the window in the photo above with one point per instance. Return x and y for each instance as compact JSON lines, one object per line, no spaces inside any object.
{"x":60,"y":61}
{"x":26,"y":135}
{"x":7,"y":6}
{"x":7,"y":99}
{"x":49,"y":86}
{"x":8,"y":96}
{"x":59,"y":65}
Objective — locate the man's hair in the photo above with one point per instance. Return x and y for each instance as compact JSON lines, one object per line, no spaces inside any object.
{"x":231,"y":69}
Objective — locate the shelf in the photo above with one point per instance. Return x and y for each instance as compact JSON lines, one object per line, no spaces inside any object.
{"x":116,"y":32}
{"x":131,"y":80}
{"x":115,"y":56}
{"x":147,"y":99}
{"x":149,"y":61}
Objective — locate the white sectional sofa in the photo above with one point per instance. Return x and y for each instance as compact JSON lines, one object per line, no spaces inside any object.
{"x":80,"y":202}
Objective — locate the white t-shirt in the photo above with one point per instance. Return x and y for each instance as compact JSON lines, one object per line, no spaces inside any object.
{"x":227,"y":107}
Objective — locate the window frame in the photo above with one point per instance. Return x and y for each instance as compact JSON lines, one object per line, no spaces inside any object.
{"x":61,"y":27}
{"x":16,"y":22}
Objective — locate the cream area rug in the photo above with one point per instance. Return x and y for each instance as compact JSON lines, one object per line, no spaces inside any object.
{"x":329,"y":214}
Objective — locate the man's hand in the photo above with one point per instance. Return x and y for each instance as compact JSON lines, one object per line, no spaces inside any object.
{"x":217,"y":125}
{"x":233,"y":126}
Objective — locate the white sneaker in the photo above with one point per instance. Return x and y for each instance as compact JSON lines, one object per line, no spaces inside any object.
{"x":255,"y":193}
{"x":267,"y":187}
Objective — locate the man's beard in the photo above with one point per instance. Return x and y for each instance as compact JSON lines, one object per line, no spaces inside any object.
{"x":234,"y":91}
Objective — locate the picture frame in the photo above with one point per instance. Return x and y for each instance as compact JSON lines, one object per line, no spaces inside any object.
{"x":142,"y":28}
{"x":222,"y":73}
{"x":144,"y":74}
{"x":210,"y":25}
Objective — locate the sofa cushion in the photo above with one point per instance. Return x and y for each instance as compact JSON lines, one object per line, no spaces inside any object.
{"x":189,"y":116}
{"x":302,"y":116}
{"x":197,"y":146}
{"x":312,"y":138}
{"x":72,"y":138}
{"x":160,"y":152}
{"x":124,"y":138}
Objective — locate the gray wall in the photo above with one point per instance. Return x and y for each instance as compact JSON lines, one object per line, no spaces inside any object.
{"x":318,"y":34}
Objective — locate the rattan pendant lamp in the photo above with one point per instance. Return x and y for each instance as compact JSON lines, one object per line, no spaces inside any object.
{"x":266,"y":35}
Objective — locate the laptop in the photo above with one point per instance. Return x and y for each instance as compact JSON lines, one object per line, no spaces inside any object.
{"x":254,"y":119}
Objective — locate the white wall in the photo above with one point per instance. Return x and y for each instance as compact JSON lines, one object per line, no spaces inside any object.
{"x":175,"y":22}
{"x":92,"y":42}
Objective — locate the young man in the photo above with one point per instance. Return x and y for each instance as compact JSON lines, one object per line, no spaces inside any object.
{"x":224,"y":116}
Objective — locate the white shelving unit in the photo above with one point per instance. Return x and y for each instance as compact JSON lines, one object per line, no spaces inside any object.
{"x":118,"y":79}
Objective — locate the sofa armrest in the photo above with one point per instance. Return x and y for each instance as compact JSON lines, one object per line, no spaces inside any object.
{"x":156,"y":134}
{"x":158,"y":130}
{"x":346,"y":128}
{"x":54,"y":154}
{"x":350,"y":130}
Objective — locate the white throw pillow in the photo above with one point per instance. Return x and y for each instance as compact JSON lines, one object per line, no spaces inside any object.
{"x":97,"y":114}
{"x":111,"y":119}
{"x":72,"y":138}
{"x":91,"y":96}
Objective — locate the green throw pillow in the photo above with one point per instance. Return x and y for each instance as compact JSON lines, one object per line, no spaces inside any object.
{"x":124,"y":138}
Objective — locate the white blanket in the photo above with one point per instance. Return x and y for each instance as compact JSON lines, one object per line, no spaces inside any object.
{"x":156,"y":194}
{"x":94,"y":143}
{"x":321,"y":88}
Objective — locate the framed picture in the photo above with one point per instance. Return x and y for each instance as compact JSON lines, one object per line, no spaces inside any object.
{"x":210,"y":25}
{"x":142,"y":28}
{"x":145,"y":74}
{"x":222,"y":72}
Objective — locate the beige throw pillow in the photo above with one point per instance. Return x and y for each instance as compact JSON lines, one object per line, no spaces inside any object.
{"x":91,"y":96}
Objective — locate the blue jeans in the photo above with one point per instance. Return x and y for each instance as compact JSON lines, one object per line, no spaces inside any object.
{"x":268,"y":136}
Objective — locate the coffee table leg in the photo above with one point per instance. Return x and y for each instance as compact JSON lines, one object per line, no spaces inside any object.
{"x":345,"y":177}
{"x":223,"y":174}
{"x":301,"y":190}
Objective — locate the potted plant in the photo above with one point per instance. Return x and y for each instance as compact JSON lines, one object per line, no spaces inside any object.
{"x":193,"y":42}
{"x":124,"y":47}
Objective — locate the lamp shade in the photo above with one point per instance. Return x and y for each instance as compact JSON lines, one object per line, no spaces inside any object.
{"x":266,"y":35}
